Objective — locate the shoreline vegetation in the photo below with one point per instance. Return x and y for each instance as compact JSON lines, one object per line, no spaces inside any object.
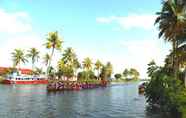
{"x":69,"y":70}
{"x":167,"y":87}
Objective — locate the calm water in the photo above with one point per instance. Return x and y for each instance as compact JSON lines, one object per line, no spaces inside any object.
{"x":33,"y":101}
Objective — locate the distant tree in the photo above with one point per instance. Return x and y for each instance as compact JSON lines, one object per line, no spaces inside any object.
{"x":125,"y":73}
{"x":134,"y":73}
{"x":117,"y":76}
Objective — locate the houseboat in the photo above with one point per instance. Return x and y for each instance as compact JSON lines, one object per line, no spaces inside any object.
{"x":18,"y":78}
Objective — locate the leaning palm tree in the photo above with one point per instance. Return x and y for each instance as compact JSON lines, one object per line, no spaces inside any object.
{"x":172,"y":25}
{"x":46,"y":60}
{"x":98,"y":66}
{"x":18,"y":57}
{"x":53,"y":42}
{"x":33,"y":53}
{"x":87,"y":64}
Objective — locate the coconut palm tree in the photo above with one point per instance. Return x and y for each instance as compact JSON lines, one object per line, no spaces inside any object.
{"x":172,"y":25}
{"x":18,"y":57}
{"x":53,"y":42}
{"x":46,"y":59}
{"x":87,"y":64}
{"x":98,"y":66}
{"x":69,"y":63}
{"x":33,"y":53}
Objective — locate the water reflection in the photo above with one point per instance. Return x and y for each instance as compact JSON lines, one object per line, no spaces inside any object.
{"x":33,"y":101}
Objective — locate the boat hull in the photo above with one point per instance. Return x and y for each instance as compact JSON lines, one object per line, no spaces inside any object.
{"x":25,"y":82}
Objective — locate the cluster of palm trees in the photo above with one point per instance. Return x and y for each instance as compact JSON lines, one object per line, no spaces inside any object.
{"x":18,"y":57}
{"x":171,"y":22}
{"x":67,"y":66}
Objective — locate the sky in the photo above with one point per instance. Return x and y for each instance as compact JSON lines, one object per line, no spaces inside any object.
{"x":119,"y":31}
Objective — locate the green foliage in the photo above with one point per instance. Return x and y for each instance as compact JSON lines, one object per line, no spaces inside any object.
{"x":68,"y":64}
{"x":18,"y":57}
{"x":152,"y":67}
{"x":117,"y":76}
{"x":106,"y":71}
{"x":167,"y":92}
{"x":33,"y":53}
{"x":131,"y":73}
{"x":87,"y":64}
{"x":86,"y":75}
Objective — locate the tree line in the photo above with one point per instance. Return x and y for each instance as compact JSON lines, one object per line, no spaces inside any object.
{"x":68,"y":65}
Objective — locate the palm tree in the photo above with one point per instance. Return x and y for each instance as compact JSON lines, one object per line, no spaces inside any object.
{"x":172,"y":25}
{"x":18,"y":57}
{"x":53,"y":42}
{"x":98,"y":66}
{"x":46,"y":59}
{"x":87,"y":64}
{"x":33,"y":53}
{"x":69,"y":63}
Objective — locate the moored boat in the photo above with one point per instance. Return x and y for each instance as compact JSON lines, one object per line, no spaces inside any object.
{"x":25,"y":79}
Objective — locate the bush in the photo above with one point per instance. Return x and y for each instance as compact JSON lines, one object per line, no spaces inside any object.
{"x":166,"y":92}
{"x":117,"y":76}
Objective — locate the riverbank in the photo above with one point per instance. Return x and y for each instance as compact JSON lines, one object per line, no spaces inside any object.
{"x":124,"y":80}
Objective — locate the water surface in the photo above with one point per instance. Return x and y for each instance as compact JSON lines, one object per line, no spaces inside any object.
{"x":33,"y":101}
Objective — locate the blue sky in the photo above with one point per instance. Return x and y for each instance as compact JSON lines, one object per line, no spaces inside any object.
{"x":120,"y":31}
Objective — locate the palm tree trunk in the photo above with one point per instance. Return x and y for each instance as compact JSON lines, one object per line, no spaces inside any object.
{"x":49,"y":64}
{"x":52,"y":53}
{"x":175,"y":60}
{"x":185,"y":76}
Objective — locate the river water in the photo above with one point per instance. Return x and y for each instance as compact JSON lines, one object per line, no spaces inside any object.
{"x":33,"y":101}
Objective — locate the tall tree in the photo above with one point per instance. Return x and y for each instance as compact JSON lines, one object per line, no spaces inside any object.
{"x":53,"y":42}
{"x":33,"y":53}
{"x":18,"y":57}
{"x":46,"y":60}
{"x":172,"y":25}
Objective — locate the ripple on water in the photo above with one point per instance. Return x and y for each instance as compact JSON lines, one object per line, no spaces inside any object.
{"x":32,"y":101}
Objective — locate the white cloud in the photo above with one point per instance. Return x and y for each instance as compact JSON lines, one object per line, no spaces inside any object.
{"x":141,"y":52}
{"x":14,"y":22}
{"x":23,"y":42}
{"x":143,"y":21}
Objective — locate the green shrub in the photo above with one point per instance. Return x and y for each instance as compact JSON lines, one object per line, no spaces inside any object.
{"x":167,"y":92}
